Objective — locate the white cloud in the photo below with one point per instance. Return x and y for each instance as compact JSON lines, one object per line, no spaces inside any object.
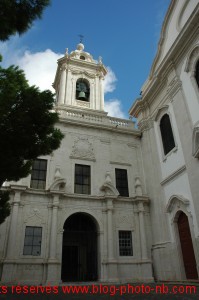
{"x":40,"y":67}
{"x":114,"y":109}
{"x":112,"y":106}
{"x":109,"y":81}
{"x":11,"y":51}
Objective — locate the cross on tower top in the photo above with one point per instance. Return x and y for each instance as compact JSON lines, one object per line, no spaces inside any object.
{"x":81,"y":37}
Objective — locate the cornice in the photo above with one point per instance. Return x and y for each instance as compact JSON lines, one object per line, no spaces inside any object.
{"x":146,"y":124}
{"x":162,"y":37}
{"x":182,"y":40}
{"x":81,"y":67}
{"x":157,"y":78}
{"x":120,"y":163}
{"x":82,"y":64}
{"x":173,"y":175}
{"x":176,"y":51}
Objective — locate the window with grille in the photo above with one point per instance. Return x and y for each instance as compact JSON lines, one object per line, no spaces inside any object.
{"x":167,"y":134}
{"x":125,"y":243}
{"x":197,"y":73}
{"x":122,"y":182}
{"x":38,"y":174}
{"x":32,"y":242}
{"x":82,"y":179}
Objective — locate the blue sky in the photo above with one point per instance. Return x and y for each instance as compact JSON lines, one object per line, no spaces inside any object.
{"x":125,"y":33}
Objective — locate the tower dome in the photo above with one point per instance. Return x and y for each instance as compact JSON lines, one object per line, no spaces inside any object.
{"x":80,"y":47}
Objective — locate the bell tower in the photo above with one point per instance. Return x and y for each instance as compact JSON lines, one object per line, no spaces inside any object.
{"x":79,"y":80}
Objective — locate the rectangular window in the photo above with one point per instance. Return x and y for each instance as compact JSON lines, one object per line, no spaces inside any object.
{"x":125,"y":243}
{"x":38,"y":175}
{"x":82,"y":179}
{"x":122,"y":182}
{"x":32,"y":242}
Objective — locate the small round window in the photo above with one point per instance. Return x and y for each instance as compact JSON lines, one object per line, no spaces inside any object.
{"x":82,"y":57}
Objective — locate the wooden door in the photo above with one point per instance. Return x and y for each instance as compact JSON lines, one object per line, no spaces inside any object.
{"x":187,"y":247}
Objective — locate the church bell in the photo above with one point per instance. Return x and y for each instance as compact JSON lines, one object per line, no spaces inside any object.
{"x":82,"y":96}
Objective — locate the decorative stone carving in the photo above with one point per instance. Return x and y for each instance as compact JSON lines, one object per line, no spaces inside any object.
{"x":160,"y":111}
{"x":100,"y":60}
{"x":82,"y":103}
{"x":125,"y":220}
{"x":138,"y":187}
{"x":108,"y":177}
{"x":57,"y":173}
{"x":34,"y":217}
{"x":193,"y":57}
{"x":83,"y":149}
{"x":108,"y":188}
{"x":58,"y":185}
{"x":177,"y":200}
{"x":82,"y":73}
{"x":195,"y":141}
{"x":146,"y":124}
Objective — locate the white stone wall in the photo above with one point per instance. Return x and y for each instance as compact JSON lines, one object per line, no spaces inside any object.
{"x":171,"y":180}
{"x":104,"y":150}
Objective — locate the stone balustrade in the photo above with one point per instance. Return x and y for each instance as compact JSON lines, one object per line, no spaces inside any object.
{"x":95,"y":117}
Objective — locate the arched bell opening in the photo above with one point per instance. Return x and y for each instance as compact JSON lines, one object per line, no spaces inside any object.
{"x":79,"y":252}
{"x":82,"y":89}
{"x":186,"y":244}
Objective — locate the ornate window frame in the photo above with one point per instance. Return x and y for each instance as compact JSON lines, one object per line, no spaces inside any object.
{"x":195,"y":141}
{"x":158,"y":116}
{"x":192,"y":61}
{"x":190,"y":67}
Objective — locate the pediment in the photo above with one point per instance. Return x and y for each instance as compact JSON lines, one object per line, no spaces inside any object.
{"x":58,"y":185}
{"x":160,"y":112}
{"x":109,"y":189}
{"x":176,"y":200}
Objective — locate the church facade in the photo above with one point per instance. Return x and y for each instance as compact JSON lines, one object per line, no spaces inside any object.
{"x":115,"y":203}
{"x":168,"y":117}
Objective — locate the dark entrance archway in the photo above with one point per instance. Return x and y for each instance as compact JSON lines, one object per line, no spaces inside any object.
{"x":79,"y":252}
{"x":187,"y":247}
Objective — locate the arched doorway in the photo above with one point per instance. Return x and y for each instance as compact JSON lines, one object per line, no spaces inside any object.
{"x":187,"y":247}
{"x":79,"y":252}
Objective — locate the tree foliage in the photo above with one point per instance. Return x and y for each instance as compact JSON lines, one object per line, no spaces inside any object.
{"x":26,"y":115}
{"x":4,"y":205}
{"x":17,"y":16}
{"x":27,"y":125}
